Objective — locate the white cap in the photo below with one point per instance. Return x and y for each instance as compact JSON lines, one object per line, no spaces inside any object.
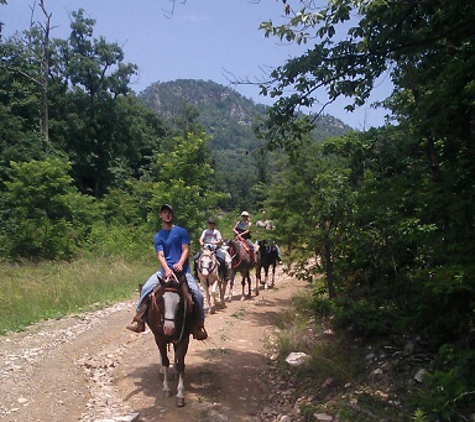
{"x":244,"y":214}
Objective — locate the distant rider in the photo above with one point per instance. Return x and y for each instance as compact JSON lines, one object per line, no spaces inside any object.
{"x":242,"y":230}
{"x":211,"y":239}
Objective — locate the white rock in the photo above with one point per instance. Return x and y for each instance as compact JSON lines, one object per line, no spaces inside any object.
{"x":285,"y":418}
{"x":297,"y":358}
{"x":132,"y":417}
{"x":420,"y":375}
{"x":323,"y":417}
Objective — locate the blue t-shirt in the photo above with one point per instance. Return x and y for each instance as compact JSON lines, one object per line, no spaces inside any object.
{"x":170,"y":242}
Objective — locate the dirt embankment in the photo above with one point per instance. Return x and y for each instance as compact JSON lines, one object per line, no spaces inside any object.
{"x":89,"y":368}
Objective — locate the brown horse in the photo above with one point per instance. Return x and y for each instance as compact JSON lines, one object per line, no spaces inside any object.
{"x":242,"y":263}
{"x":170,"y":316}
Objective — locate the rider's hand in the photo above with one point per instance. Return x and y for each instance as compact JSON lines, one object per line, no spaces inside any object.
{"x":178,"y":267}
{"x":168,"y":273}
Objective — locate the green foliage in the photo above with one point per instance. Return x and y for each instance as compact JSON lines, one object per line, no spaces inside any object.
{"x":419,"y":416}
{"x":118,"y":241}
{"x":364,"y":319}
{"x":44,"y":215}
{"x":450,"y":388}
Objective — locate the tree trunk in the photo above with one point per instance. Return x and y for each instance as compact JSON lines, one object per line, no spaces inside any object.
{"x":328,"y":261}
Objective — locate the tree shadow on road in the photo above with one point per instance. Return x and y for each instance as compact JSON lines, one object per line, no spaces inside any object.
{"x":223,"y":385}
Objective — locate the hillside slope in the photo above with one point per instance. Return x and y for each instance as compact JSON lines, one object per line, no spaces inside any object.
{"x":230,"y":119}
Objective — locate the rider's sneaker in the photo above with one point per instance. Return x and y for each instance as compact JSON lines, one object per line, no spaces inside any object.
{"x":136,"y":326}
{"x":200,"y":334}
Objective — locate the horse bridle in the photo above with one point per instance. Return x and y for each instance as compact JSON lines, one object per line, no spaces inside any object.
{"x":178,"y":290}
{"x":200,"y":267}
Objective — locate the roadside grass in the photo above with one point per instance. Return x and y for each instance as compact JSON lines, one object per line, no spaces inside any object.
{"x":32,"y":292}
{"x":330,"y":356}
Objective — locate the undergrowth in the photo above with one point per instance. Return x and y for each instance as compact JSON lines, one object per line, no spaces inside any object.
{"x":360,"y":370}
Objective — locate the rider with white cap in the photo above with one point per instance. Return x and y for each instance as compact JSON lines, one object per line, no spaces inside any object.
{"x":242,"y":229}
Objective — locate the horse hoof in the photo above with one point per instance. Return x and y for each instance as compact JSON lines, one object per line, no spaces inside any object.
{"x":167,"y":393}
{"x":212,"y":311}
{"x":180,"y":402}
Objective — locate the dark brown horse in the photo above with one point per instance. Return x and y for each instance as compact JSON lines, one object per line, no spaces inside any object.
{"x":268,"y":258}
{"x":170,"y":317}
{"x":242,"y":263}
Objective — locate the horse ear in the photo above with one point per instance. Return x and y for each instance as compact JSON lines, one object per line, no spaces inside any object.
{"x":161,"y":281}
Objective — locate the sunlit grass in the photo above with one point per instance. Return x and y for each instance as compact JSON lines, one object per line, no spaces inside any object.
{"x":33,"y":292}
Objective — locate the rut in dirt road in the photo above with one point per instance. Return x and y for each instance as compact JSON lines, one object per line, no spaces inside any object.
{"x":88,"y":368}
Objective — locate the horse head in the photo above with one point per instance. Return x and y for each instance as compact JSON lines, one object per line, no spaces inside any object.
{"x":207,"y":262}
{"x":173,"y":305}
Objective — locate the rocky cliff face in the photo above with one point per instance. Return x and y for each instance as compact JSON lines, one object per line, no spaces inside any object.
{"x":211,"y":99}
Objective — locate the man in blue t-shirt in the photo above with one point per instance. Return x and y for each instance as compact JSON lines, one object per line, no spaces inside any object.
{"x":172,"y":246}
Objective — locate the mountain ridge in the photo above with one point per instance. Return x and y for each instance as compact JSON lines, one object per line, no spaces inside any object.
{"x":219,"y":105}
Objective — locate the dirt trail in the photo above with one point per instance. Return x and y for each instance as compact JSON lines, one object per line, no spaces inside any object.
{"x":89,"y":368}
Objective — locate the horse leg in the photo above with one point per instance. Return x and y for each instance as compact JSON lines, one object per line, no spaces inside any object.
{"x":222,"y":292}
{"x":180,"y":397}
{"x":243,"y":287}
{"x":273,"y":274}
{"x":162,"y":347}
{"x":207,"y":299}
{"x":231,"y":286}
{"x":214,"y":293}
{"x":258,"y":274}
{"x":180,"y":352}
{"x":166,"y":392}
{"x":257,"y":286}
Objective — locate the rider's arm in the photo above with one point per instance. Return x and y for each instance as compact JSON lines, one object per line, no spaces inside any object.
{"x":219,"y":238}
{"x":235,"y":230}
{"x":185,"y":251}
{"x":163,"y":263}
{"x":200,"y":240}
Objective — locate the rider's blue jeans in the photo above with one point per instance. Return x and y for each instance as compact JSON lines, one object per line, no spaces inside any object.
{"x":192,"y":284}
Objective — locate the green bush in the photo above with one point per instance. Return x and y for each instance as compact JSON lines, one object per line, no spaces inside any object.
{"x":449,"y":389}
{"x":44,"y":216}
{"x":362,"y":318}
{"x":119,"y":241}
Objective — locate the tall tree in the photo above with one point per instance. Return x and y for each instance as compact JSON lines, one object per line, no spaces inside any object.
{"x":98,"y":77}
{"x":426,"y":47}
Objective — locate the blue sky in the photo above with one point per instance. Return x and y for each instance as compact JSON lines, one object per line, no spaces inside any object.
{"x":203,"y":39}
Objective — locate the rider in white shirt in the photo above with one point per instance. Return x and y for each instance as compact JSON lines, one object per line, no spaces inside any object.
{"x":211,"y":238}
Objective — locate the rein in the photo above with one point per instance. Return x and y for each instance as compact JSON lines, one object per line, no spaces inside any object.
{"x":185,"y":306}
{"x":215,"y":264}
{"x":238,"y":252}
